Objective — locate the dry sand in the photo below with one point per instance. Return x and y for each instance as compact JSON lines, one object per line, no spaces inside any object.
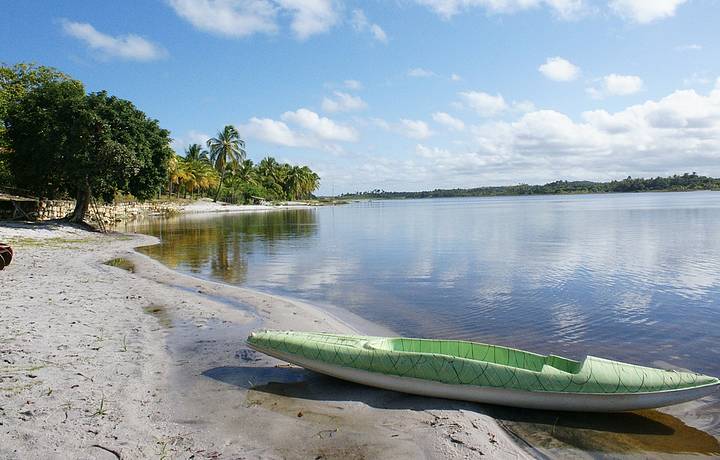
{"x":149,"y":363}
{"x":207,"y":205}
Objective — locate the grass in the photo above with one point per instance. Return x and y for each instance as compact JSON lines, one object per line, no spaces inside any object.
{"x":22,"y":368}
{"x":46,"y":242}
{"x":101,"y":411}
{"x":122,"y":263}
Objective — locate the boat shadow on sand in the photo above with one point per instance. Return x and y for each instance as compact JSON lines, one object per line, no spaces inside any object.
{"x":638,"y":432}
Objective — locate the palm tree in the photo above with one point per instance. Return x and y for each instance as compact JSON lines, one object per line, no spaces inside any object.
{"x":205,"y":175}
{"x":246,"y":172}
{"x":271,"y":176}
{"x":226,"y":149}
{"x":294,"y":183}
{"x":173,"y":165}
{"x":310,"y":181}
{"x":182,"y":175}
{"x":195,"y":152}
{"x":177,"y":173}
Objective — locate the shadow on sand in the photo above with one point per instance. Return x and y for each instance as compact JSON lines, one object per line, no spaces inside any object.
{"x":640,"y":432}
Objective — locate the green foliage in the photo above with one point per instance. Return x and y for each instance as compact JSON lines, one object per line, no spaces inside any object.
{"x":15,"y":82}
{"x":686,"y":182}
{"x":233,"y":177}
{"x":64,"y":142}
{"x":192,"y":173}
{"x":195,"y":152}
{"x":43,"y":129}
{"x":271,"y":181}
{"x":6,"y":179}
{"x":57,"y":141}
{"x":227,"y":150}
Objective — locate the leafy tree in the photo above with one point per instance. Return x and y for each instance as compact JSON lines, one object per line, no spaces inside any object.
{"x":66,"y":142}
{"x":226,"y":149}
{"x":15,"y":82}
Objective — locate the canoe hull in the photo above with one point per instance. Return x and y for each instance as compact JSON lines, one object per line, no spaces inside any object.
{"x":576,"y":402}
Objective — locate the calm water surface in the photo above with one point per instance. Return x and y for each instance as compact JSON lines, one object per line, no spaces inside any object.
{"x":627,"y":276}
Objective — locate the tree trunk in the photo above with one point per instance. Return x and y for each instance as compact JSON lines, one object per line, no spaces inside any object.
{"x":82,"y":203}
{"x":222,"y":178}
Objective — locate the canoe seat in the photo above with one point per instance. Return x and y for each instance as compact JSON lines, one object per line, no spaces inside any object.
{"x":563,"y":364}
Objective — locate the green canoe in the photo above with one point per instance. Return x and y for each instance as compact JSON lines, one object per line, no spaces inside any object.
{"x":478,"y":372}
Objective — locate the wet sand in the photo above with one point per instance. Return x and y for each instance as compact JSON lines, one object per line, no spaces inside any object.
{"x":132,"y":359}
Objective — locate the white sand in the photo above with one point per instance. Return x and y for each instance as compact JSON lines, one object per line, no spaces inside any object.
{"x":152,"y":364}
{"x":206,"y":205}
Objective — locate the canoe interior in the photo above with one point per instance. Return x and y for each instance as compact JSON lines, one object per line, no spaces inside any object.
{"x":481,"y":352}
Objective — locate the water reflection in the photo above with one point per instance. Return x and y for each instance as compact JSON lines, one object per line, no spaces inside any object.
{"x":628,"y":277}
{"x":605,"y":435}
{"x":220,"y":247}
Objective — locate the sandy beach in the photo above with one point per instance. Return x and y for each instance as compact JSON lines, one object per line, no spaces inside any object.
{"x":133,"y":360}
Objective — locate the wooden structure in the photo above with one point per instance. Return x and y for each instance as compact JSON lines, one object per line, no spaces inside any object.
{"x":17,"y":207}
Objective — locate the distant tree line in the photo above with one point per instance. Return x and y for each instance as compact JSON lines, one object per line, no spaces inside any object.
{"x":57,"y":141}
{"x":675,"y":183}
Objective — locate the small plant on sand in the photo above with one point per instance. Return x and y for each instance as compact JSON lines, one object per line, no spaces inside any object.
{"x":162,"y":449}
{"x":124,"y":344}
{"x":101,"y":409}
{"x":123,"y":263}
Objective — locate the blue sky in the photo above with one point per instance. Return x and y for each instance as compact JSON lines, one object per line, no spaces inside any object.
{"x":406,"y":94}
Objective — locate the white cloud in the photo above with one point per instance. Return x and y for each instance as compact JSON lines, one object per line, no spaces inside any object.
{"x":524,"y":106}
{"x":232,"y":18}
{"x":380,"y":123}
{"x":673,"y":134}
{"x":361,"y":24}
{"x":415,"y":129}
{"x":274,"y":132}
{"x":455,"y":77}
{"x":191,"y":137}
{"x":343,"y":102}
{"x":353,"y":84}
{"x":378,"y":33}
{"x":483,"y":103}
{"x":310,"y":16}
{"x":309,"y":130}
{"x":697,"y":79}
{"x":242,"y":18}
{"x":322,"y":127}
{"x":645,"y":11}
{"x":430,"y":152}
{"x":559,"y":69}
{"x":622,"y":85}
{"x":419,"y":72}
{"x":617,"y":85}
{"x":131,"y":47}
{"x":677,"y":133}
{"x":449,"y":121}
{"x":689,"y":47}
{"x":566,"y":9}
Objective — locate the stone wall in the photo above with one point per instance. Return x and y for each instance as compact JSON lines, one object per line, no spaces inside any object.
{"x":108,"y":214}
{"x":53,"y":209}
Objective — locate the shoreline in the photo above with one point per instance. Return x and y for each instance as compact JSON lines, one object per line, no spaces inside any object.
{"x":152,"y":362}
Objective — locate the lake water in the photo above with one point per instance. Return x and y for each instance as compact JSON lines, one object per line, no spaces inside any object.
{"x":626,"y":276}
